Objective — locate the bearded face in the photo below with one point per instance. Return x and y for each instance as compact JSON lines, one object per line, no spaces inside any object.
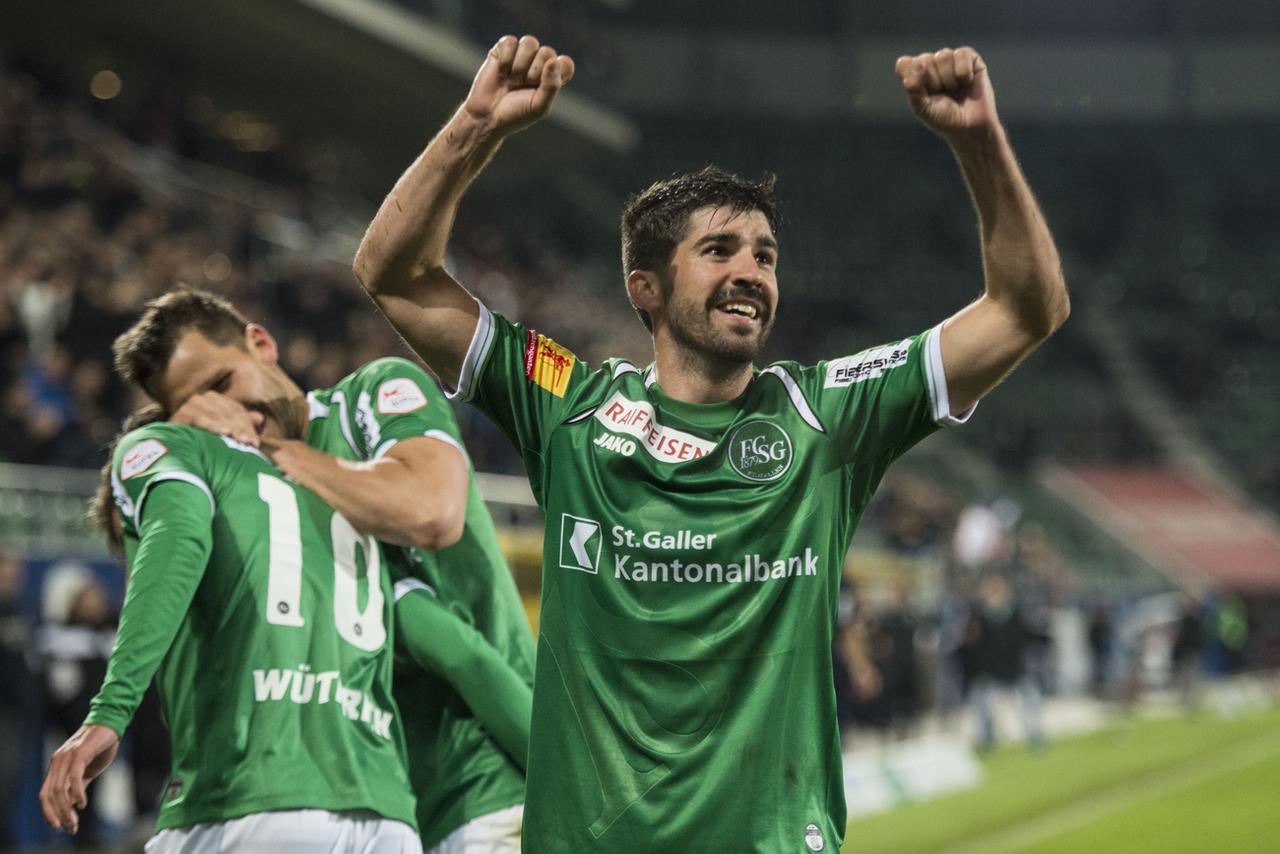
{"x":720,"y":292}
{"x":732,"y":324}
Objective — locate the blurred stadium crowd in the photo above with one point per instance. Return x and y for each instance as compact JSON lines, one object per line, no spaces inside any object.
{"x":95,"y":223}
{"x":106,"y":203}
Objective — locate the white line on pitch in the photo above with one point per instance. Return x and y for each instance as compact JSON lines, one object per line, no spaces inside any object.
{"x":1122,"y":796}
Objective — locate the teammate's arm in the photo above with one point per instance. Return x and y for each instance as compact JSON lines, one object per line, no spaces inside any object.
{"x":441,"y":642}
{"x":166,"y":567}
{"x":400,"y":262}
{"x":1025,"y":298}
{"x":413,"y":495}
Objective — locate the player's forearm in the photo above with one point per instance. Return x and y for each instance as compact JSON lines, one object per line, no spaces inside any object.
{"x":382,"y":498}
{"x":407,"y":238}
{"x":442,"y":643}
{"x":1020,"y":261}
{"x":500,"y":699}
{"x":165,"y":569}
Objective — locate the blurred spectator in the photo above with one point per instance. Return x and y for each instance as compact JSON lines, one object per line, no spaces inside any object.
{"x":914,"y":516}
{"x":892,"y":638}
{"x":857,"y":682}
{"x":75,"y":652}
{"x":995,"y":650}
{"x":982,"y":535}
{"x":1229,"y":635}
{"x":17,"y":686}
{"x":1100,"y":647}
{"x":1187,"y":654}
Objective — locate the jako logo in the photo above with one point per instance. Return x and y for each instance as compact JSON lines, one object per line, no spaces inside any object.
{"x":760,"y":450}
{"x":617,"y":444}
{"x":580,"y":541}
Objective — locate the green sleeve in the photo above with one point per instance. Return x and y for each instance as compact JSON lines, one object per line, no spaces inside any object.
{"x":881,"y":401}
{"x":441,"y":642}
{"x":523,"y":380}
{"x":393,"y":399}
{"x":166,"y":564}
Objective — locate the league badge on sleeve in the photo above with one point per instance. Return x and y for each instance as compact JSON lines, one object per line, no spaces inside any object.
{"x":141,"y":457}
{"x":398,"y":396}
{"x":547,"y":363}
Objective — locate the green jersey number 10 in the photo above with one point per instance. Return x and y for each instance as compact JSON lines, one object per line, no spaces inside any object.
{"x":362,"y":628}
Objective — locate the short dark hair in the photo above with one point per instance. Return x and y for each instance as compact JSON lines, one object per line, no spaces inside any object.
{"x":657,"y":219}
{"x":142,"y":353}
{"x":102,"y":507}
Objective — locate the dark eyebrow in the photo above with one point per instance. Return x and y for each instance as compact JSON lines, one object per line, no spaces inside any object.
{"x":732,"y":237}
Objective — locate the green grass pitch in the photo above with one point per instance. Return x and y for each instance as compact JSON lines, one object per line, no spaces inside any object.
{"x":1187,"y":784}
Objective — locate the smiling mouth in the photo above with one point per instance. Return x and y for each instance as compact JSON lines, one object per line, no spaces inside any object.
{"x":742,"y":309}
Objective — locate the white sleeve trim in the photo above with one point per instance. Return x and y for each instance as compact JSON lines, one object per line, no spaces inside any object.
{"x":439,"y":435}
{"x":185,"y":477}
{"x":937,"y":381}
{"x":406,"y":586}
{"x":481,"y":341}
{"x":796,"y":395}
{"x":340,"y":399}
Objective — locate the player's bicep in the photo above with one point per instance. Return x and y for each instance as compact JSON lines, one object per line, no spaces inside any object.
{"x":436,"y":317}
{"x":438,"y":462}
{"x":980,"y":345}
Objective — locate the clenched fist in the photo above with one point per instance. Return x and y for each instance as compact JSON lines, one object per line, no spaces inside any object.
{"x":517,"y":84}
{"x":949,"y":91}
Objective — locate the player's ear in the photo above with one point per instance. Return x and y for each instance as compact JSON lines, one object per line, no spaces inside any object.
{"x":261,"y":343}
{"x":644,"y":290}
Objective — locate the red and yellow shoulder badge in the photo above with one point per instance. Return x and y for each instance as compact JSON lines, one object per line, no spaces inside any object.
{"x":547,"y":363}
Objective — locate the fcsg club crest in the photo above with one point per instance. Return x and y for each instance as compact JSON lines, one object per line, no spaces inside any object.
{"x":760,"y":451}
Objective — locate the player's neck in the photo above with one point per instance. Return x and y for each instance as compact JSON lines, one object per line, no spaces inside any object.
{"x":694,"y":377}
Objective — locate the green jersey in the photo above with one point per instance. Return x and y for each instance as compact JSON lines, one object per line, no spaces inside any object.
{"x":264,"y":617}
{"x":458,"y":770}
{"x":684,"y":698}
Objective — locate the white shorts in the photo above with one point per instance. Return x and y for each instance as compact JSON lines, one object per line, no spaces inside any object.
{"x":494,"y":833}
{"x":291,"y":832}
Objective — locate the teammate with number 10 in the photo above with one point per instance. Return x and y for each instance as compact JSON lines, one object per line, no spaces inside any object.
{"x":699,"y":510}
{"x":265,"y":617}
{"x":383,"y":449}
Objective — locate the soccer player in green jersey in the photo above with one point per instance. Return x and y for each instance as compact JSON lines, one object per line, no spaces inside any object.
{"x":698,"y":510}
{"x":264,"y":617}
{"x":381,"y":447}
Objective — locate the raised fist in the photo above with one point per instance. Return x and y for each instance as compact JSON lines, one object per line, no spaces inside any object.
{"x":517,"y":83}
{"x":949,"y":91}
